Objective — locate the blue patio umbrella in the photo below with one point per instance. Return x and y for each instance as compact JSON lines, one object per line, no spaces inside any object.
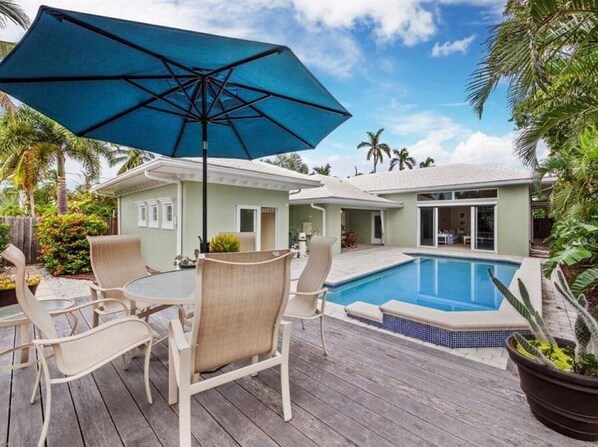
{"x":167,"y":90}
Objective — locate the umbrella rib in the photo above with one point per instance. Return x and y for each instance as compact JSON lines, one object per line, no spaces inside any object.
{"x":289,"y":98}
{"x":276,"y":50}
{"x":131,"y":109}
{"x":179,"y":137}
{"x":88,"y":78}
{"x":217,"y":95}
{"x":170,"y":112}
{"x":62,"y":16}
{"x":172,"y":103}
{"x":234,"y":129}
{"x":176,"y":79}
{"x":272,"y":120}
{"x":237,"y":108}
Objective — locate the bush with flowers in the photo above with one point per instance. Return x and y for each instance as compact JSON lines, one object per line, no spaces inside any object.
{"x":63,"y":242}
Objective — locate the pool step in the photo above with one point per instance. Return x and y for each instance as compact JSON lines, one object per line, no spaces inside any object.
{"x":364,"y":311}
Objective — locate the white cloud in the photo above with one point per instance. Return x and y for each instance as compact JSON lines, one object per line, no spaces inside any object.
{"x":456,"y":46}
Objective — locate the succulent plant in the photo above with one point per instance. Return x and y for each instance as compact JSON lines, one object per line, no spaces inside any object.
{"x":225,"y":242}
{"x":544,"y":347}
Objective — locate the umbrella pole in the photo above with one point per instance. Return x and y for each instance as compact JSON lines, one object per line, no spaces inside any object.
{"x":205,"y":245}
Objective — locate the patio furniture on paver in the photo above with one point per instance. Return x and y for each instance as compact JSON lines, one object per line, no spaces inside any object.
{"x":304,"y":303}
{"x":351,"y":240}
{"x":81,"y":354}
{"x":12,"y":316}
{"x":448,"y":238}
{"x":248,"y":240}
{"x":115,"y":261}
{"x":239,"y":303}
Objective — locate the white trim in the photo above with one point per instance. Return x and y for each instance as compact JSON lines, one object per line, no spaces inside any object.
{"x":151,"y":223}
{"x":460,"y":187}
{"x":434,"y":230}
{"x":167,"y":202}
{"x":141,"y":205}
{"x":256,"y":223}
{"x":474,"y":229}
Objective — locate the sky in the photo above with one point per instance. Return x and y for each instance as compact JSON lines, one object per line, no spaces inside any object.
{"x":401,"y":65}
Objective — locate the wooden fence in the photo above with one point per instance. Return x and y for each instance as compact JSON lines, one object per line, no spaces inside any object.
{"x":23,"y":234}
{"x":542,"y":227}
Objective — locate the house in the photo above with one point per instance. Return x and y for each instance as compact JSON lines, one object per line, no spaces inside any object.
{"x":483,"y":208}
{"x":466,"y":206}
{"x":161,"y":202}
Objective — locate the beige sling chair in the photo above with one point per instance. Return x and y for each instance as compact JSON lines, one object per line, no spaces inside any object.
{"x":116,"y":260}
{"x":240,"y":299}
{"x":81,"y":354}
{"x":303,"y":303}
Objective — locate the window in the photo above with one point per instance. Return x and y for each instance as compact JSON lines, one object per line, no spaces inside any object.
{"x":167,"y":213}
{"x":141,"y":214}
{"x":477,"y":194}
{"x":153,"y":214}
{"x":435,"y":196}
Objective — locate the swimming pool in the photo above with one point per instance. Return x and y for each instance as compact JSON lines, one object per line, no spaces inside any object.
{"x":443,"y":283}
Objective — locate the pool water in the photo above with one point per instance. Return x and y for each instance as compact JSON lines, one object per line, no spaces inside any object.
{"x":443,"y":283}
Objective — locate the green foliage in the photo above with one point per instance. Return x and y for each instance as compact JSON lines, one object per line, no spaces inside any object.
{"x":550,"y":355}
{"x":375,"y":147}
{"x":586,"y":280}
{"x":4,"y":235}
{"x":85,"y":202}
{"x":291,"y":161}
{"x":224,"y":243}
{"x":403,"y":160}
{"x":322,"y":170}
{"x":64,"y":247}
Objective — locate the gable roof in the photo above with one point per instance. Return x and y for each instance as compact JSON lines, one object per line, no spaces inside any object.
{"x":339,"y":192}
{"x":461,"y":175}
{"x":244,"y":173}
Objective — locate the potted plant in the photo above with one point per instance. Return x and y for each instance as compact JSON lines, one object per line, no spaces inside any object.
{"x":225,"y":243}
{"x":185,"y":262}
{"x":8,"y":294}
{"x":559,"y":377}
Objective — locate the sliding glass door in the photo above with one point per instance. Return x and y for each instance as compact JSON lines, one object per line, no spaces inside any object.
{"x":484,"y":226}
{"x":427,"y":226}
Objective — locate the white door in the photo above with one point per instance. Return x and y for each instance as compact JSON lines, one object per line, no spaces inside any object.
{"x":376,"y":227}
{"x":248,"y":221}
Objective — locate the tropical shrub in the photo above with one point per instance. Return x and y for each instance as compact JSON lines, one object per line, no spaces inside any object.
{"x":4,"y":235}
{"x":63,"y":243}
{"x":583,"y":359}
{"x":223,"y":243}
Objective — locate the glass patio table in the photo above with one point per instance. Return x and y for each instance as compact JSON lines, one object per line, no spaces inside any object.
{"x":175,"y":287}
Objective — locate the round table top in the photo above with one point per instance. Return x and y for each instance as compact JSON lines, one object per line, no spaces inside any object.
{"x":13,"y":315}
{"x":173,"y":287}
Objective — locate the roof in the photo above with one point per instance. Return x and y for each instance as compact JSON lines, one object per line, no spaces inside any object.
{"x":441,"y":177}
{"x":339,"y":192}
{"x":245,"y":173}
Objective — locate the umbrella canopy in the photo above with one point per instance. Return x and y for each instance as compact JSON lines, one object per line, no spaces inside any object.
{"x":168,"y":90}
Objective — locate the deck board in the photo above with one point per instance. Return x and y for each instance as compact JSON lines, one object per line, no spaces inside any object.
{"x":372,"y":390}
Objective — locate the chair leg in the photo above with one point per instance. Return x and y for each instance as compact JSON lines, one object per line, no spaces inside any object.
{"x":303,"y":324}
{"x":36,"y":386}
{"x":96,"y":319}
{"x":284,"y":375}
{"x":173,"y":388}
{"x":25,"y":340}
{"x":48,"y":406}
{"x":322,"y":334}
{"x":254,"y":360}
{"x":184,"y":420}
{"x":126,"y":360}
{"x":148,"y":391}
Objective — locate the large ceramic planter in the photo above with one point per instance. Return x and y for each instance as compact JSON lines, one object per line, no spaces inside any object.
{"x":565,"y":402}
{"x":8,"y":297}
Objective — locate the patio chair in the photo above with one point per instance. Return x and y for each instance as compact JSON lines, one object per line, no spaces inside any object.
{"x":81,"y":354}
{"x":350,"y":240}
{"x":116,"y":260}
{"x":240,"y":301}
{"x":303,"y":303}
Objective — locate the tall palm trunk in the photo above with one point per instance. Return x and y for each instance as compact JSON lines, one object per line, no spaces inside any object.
{"x":61,"y":197}
{"x":375,"y":163}
{"x":32,"y":202}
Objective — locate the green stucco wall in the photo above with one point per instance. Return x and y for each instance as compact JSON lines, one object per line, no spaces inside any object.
{"x":513,"y":220}
{"x":359,"y":221}
{"x":304,"y":213}
{"x":159,"y":245}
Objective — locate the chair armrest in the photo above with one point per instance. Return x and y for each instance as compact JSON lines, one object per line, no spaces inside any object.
{"x":91,"y":303}
{"x":91,"y":332}
{"x":317,"y":292}
{"x":102,"y":289}
{"x":176,"y":336}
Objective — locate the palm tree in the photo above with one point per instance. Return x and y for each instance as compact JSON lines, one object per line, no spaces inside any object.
{"x":130,"y":158}
{"x":290,"y":161}
{"x":11,"y":12}
{"x":401,"y":158}
{"x":32,"y":138}
{"x":322,"y":170}
{"x":376,"y":149}
{"x":427,"y":163}
{"x":545,"y":50}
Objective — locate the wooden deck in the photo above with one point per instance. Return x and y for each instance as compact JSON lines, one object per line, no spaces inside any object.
{"x":373,"y":390}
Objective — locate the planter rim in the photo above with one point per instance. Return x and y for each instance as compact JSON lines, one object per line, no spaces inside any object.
{"x":522,"y":361}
